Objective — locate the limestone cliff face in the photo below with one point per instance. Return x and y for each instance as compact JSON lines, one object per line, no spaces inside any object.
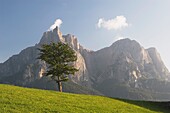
{"x":125,"y":63}
{"x":23,"y":67}
{"x":15,"y":63}
{"x":158,"y":64}
{"x":125,"y":60}
{"x":80,"y":77}
{"x":28,"y":68}
{"x":72,"y":41}
{"x":51,"y":36}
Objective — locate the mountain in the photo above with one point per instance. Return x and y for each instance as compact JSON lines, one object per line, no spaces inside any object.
{"x":123,"y":70}
{"x":127,"y":70}
{"x":26,"y":70}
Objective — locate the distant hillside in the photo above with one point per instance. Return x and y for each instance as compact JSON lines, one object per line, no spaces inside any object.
{"x":17,"y":99}
{"x":68,"y":86}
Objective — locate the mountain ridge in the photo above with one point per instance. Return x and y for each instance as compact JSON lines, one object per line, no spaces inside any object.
{"x":125,"y":62}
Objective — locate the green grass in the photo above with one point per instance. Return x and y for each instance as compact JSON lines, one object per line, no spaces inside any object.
{"x":15,"y":99}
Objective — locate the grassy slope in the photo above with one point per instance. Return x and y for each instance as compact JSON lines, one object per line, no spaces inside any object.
{"x":17,"y":99}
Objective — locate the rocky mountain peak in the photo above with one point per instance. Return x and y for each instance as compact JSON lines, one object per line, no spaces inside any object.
{"x":126,"y":45}
{"x":157,"y":62}
{"x":131,"y":49}
{"x":154,"y":55}
{"x":125,"y":63}
{"x":54,"y":35}
{"x":72,"y":41}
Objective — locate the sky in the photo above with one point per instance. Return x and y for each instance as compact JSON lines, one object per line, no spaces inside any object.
{"x":96,"y":23}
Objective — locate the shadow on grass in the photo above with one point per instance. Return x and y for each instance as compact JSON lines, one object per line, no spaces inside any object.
{"x":161,"y":106}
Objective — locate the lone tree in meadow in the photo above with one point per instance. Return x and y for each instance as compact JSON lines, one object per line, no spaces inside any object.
{"x":60,"y":58}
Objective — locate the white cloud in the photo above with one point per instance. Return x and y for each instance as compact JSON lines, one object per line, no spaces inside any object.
{"x":58,"y":23}
{"x":117,"y":23}
{"x":119,"y":38}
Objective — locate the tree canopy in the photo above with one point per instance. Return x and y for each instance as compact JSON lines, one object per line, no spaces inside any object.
{"x":60,"y":58}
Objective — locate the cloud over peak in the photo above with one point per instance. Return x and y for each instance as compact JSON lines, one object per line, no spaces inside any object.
{"x":57,"y":23}
{"x":116,"y":23}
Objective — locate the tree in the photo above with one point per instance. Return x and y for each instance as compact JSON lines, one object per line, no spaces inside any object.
{"x":60,"y":58}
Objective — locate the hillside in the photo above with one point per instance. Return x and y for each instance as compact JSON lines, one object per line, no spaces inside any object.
{"x":17,"y":99}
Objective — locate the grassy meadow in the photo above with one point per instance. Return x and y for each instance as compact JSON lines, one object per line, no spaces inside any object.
{"x":15,"y":99}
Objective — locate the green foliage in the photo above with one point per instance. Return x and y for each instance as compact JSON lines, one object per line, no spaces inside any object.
{"x":60,"y":58}
{"x":26,"y":100}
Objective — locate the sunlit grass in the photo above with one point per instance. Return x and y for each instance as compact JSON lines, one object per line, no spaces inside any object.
{"x":26,"y":100}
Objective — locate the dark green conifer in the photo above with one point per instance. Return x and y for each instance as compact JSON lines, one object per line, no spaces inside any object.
{"x":60,"y":58}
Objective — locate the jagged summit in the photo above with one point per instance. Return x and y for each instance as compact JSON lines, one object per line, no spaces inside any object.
{"x":57,"y":23}
{"x":125,"y":64}
{"x":72,"y":41}
{"x":54,"y":35}
{"x":126,"y":43}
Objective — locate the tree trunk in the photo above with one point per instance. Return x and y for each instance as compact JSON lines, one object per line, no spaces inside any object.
{"x":60,"y":87}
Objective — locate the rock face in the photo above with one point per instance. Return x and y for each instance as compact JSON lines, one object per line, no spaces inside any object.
{"x":126,"y":61}
{"x":124,"y":70}
{"x":28,"y":68}
{"x":51,"y":36}
{"x":126,"y":66}
{"x":22,"y":68}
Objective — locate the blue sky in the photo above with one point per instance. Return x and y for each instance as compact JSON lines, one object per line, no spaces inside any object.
{"x":22,"y":23}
